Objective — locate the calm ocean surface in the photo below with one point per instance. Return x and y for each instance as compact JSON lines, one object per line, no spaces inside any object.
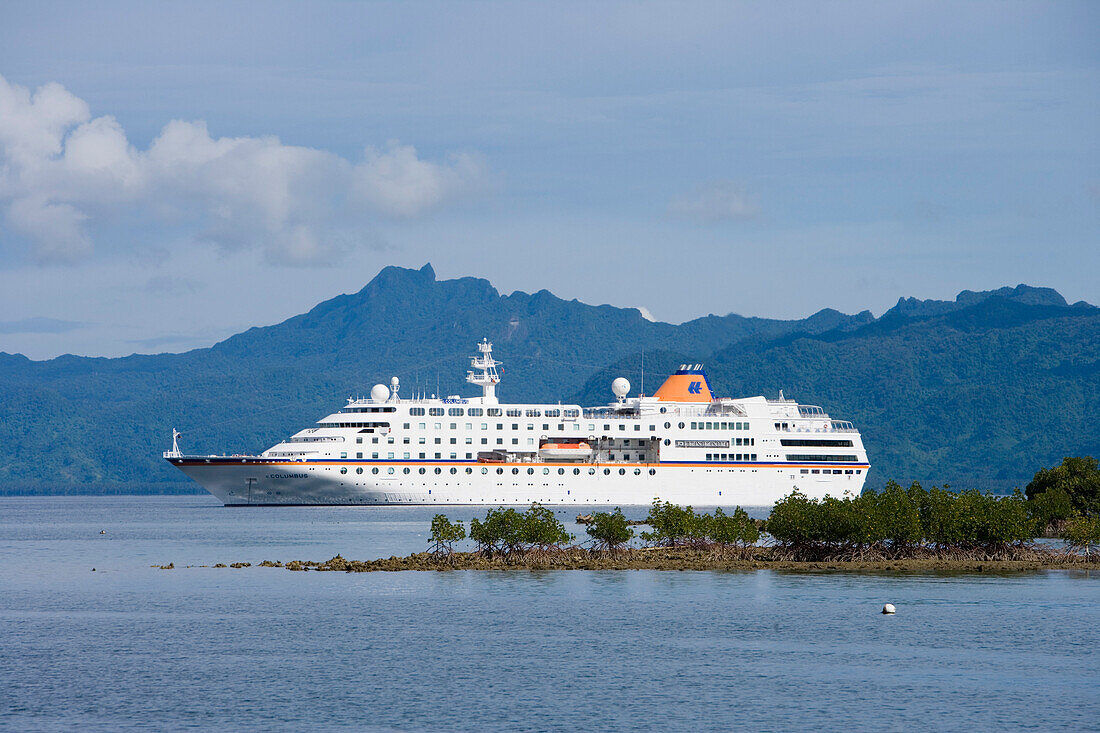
{"x":132,"y":647}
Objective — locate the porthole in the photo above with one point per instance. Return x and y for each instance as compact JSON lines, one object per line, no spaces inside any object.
{"x":663,"y":411}
{"x":622,"y":471}
{"x":681,"y":426}
{"x":359,"y":470}
{"x":406,"y":470}
{"x":561,"y":471}
{"x":454,"y":471}
{"x":637,"y":472}
{"x":607,"y":472}
{"x":344,"y":469}
{"x":438,"y":469}
{"x":389,"y":470}
{"x":515,"y":471}
{"x":470,"y":470}
{"x":530,"y":471}
{"x":374,"y":470}
{"x":591,"y":471}
{"x":423,"y":470}
{"x":545,"y":471}
{"x":500,"y":471}
{"x":653,"y":472}
{"x":668,"y":425}
{"x":576,"y":472}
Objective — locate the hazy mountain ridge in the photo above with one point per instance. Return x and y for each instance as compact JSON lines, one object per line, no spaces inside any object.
{"x":80,"y":423}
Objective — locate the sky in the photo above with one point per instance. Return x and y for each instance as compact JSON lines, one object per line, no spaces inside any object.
{"x":174,"y":173}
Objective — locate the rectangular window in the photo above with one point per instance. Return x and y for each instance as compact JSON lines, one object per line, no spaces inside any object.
{"x":417,"y":412}
{"x":406,"y":455}
{"x":453,"y":440}
{"x":438,"y":440}
{"x":454,"y":426}
{"x":637,"y":428}
{"x":423,"y":425}
{"x":454,"y":456}
{"x":374,"y":440}
{"x":469,"y":426}
{"x":358,"y":440}
{"x":493,"y":412}
{"x":530,"y":426}
{"x":422,"y":455}
{"x":405,"y":425}
{"x":435,"y":411}
{"x":389,"y":455}
{"x":469,"y":440}
{"x":485,"y":441}
{"x":374,"y":455}
{"x":500,"y":441}
{"x":358,"y":455}
{"x":438,"y":426}
{"x":469,"y":455}
{"x":405,"y":440}
{"x":515,"y":441}
{"x":693,"y":426}
{"x":752,"y":457}
{"x":515,"y":426}
{"x":804,"y":470}
{"x":421,"y":440}
{"x":455,"y":412}
{"x":344,"y":455}
{"x":438,"y":455}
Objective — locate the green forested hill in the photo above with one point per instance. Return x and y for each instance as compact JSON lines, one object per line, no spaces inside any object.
{"x":982,"y":389}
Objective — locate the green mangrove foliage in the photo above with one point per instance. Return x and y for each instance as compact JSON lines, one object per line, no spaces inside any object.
{"x":1082,"y":534}
{"x":896,"y":521}
{"x":610,"y":530}
{"x":506,"y":531}
{"x":1078,"y":478}
{"x":672,"y":526}
{"x":444,"y":534}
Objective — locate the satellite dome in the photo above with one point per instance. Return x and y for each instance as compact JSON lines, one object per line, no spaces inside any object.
{"x":379,"y":393}
{"x":394,"y":381}
{"x":620,"y":387}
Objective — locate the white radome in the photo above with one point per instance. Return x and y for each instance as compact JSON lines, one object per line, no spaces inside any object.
{"x":620,"y":387}
{"x":379,"y":393}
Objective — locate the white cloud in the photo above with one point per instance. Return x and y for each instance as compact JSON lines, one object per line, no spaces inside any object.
{"x":63,"y":172}
{"x":646,"y":314}
{"x":398,"y":183}
{"x":714,"y":202}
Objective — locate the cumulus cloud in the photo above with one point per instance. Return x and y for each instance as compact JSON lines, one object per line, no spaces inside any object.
{"x":714,"y":202}
{"x":400,"y":184}
{"x":39,"y":324}
{"x":62,"y":171}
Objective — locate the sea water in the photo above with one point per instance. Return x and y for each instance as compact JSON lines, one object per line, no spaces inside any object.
{"x":132,"y":647}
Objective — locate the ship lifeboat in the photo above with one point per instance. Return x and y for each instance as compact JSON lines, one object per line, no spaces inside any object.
{"x":565,"y":451}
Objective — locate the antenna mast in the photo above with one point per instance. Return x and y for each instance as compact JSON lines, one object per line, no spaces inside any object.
{"x":487,"y":378}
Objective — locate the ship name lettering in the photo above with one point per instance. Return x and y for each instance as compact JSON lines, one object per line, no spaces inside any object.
{"x":702,"y":444}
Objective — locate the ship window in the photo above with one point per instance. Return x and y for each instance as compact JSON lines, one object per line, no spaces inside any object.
{"x":752,"y":456}
{"x":681,"y":425}
{"x":576,"y":472}
{"x":358,"y":455}
{"x":417,"y":412}
{"x":469,"y":470}
{"x":610,"y":456}
{"x":513,"y":413}
{"x":606,"y":427}
{"x":561,"y":471}
{"x":484,"y":470}
{"x":469,"y":456}
{"x":344,"y":455}
{"x":438,"y":441}
{"x":552,"y":413}
{"x":406,"y":455}
{"x":530,"y":471}
{"x":515,"y":441}
{"x":374,"y":470}
{"x":693,"y":425}
{"x":493,"y":412}
{"x":454,"y":456}
{"x":668,"y":442}
{"x":500,"y":470}
{"x":359,"y":440}
{"x":572,"y":413}
{"x":591,"y":471}
{"x":485,"y":441}
{"x":637,"y":472}
{"x":534,"y":413}
{"x":804,"y":470}
{"x":438,"y":469}
{"x":469,"y":440}
{"x":530,"y":426}
{"x":389,"y":470}
{"x":815,"y":471}
{"x":389,"y":455}
{"x":456,"y":412}
{"x":454,"y":426}
{"x":344,"y":469}
{"x":422,"y":470}
{"x":546,"y":426}
{"x":474,"y":412}
{"x":454,"y":441}
{"x":374,"y":455}
{"x":515,"y":471}
{"x":708,"y":456}
{"x":858,"y":471}
{"x":607,"y":472}
{"x":515,"y":426}
{"x":359,"y":470}
{"x":405,"y":425}
{"x":652,"y":472}
{"x":435,"y":411}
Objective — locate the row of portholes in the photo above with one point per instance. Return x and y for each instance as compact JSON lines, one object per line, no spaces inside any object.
{"x":515,"y":471}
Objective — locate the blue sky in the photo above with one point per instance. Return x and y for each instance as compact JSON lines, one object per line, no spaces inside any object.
{"x":173,"y":173}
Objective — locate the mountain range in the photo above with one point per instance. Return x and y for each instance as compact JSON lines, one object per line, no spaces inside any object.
{"x":980,"y":391}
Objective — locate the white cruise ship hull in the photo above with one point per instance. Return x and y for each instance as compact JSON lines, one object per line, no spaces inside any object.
{"x":257,"y":481}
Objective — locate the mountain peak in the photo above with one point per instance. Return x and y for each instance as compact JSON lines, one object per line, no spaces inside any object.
{"x":1023,"y":294}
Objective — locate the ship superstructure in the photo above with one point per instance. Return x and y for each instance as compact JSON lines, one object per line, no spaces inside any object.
{"x":682,"y":444}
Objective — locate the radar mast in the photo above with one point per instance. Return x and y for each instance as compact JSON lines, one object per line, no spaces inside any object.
{"x":487,"y":377}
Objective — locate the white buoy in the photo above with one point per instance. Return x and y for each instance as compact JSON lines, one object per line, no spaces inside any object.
{"x":889,"y":608}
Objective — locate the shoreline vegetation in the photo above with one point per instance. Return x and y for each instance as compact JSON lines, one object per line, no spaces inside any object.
{"x":895,"y":529}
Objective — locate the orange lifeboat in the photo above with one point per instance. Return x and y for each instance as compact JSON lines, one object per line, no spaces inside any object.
{"x":565,"y":451}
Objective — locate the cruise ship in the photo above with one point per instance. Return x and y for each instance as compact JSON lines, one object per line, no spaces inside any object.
{"x":682,"y":444}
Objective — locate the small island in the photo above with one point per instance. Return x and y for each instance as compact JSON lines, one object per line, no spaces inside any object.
{"x":896,"y":529}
